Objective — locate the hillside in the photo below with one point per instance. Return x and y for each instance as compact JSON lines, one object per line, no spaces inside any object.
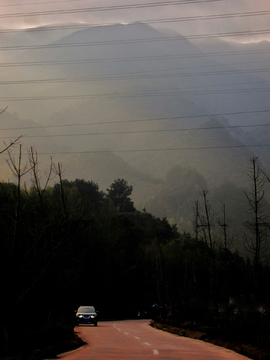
{"x":132,"y":64}
{"x":128,"y":101}
{"x":253,"y":57}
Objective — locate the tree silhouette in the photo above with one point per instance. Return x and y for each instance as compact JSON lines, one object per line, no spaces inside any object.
{"x":256,"y":240}
{"x":119,"y":194}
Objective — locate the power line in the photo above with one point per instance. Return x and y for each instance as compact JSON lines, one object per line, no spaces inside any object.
{"x":149,"y":119}
{"x":39,"y":3}
{"x":149,"y":21}
{"x":142,"y":58}
{"x":151,"y":93}
{"x":209,"y":17}
{"x":154,"y":150}
{"x":133,"y":41}
{"x":211,"y":86}
{"x":146,"y":131}
{"x":143,"y":75}
{"x":106,"y":8}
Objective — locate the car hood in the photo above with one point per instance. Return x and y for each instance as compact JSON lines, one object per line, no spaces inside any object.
{"x":85,"y":314}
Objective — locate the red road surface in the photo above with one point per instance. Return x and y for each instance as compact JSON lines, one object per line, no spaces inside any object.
{"x":135,"y":339}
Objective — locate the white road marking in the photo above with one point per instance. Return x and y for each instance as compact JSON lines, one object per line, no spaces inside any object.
{"x":136,"y":337}
{"x":126,"y":333}
{"x":155,"y":352}
{"x":146,"y":343}
{"x":118,"y":329}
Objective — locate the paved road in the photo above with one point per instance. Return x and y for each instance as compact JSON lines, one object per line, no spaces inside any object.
{"x":135,"y":339}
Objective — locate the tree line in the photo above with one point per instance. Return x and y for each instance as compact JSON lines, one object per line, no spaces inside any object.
{"x":72,"y":244}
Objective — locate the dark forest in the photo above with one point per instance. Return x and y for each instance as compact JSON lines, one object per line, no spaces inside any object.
{"x":71,"y":244}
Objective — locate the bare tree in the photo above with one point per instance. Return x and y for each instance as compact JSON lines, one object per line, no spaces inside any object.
{"x":196,"y":228}
{"x":225,"y":241}
{"x":12,"y":142}
{"x":256,"y":239}
{"x":206,"y":224}
{"x":9,"y":255}
{"x":58,"y":170}
{"x":225,"y":244}
{"x":10,"y":299}
{"x":18,"y":171}
{"x":35,"y":179}
{"x":206,"y":219}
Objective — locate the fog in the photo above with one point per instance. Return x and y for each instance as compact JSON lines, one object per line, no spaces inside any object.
{"x":135,"y":100}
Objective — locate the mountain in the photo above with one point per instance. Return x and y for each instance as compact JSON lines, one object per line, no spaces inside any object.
{"x":129,"y":101}
{"x":253,"y":57}
{"x":134,"y":63}
{"x":31,"y":37}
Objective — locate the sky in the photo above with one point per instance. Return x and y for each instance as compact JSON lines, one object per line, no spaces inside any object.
{"x":16,"y":14}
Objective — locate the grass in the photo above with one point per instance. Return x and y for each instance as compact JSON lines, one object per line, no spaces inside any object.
{"x":204,"y":333}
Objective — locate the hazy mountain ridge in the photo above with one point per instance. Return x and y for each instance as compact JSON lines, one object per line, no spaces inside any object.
{"x":193,"y":75}
{"x":142,"y":100}
{"x":244,"y":56}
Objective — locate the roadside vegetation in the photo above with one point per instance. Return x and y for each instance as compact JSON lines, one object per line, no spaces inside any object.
{"x":70,"y":244}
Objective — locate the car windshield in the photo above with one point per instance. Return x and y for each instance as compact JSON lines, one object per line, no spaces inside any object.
{"x":86,"y":309}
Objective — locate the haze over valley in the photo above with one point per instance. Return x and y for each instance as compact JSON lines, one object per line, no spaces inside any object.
{"x":144,"y":104}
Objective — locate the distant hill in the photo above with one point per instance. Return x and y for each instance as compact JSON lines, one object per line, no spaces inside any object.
{"x":128,"y":101}
{"x":242,"y":56}
{"x":136,"y":63}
